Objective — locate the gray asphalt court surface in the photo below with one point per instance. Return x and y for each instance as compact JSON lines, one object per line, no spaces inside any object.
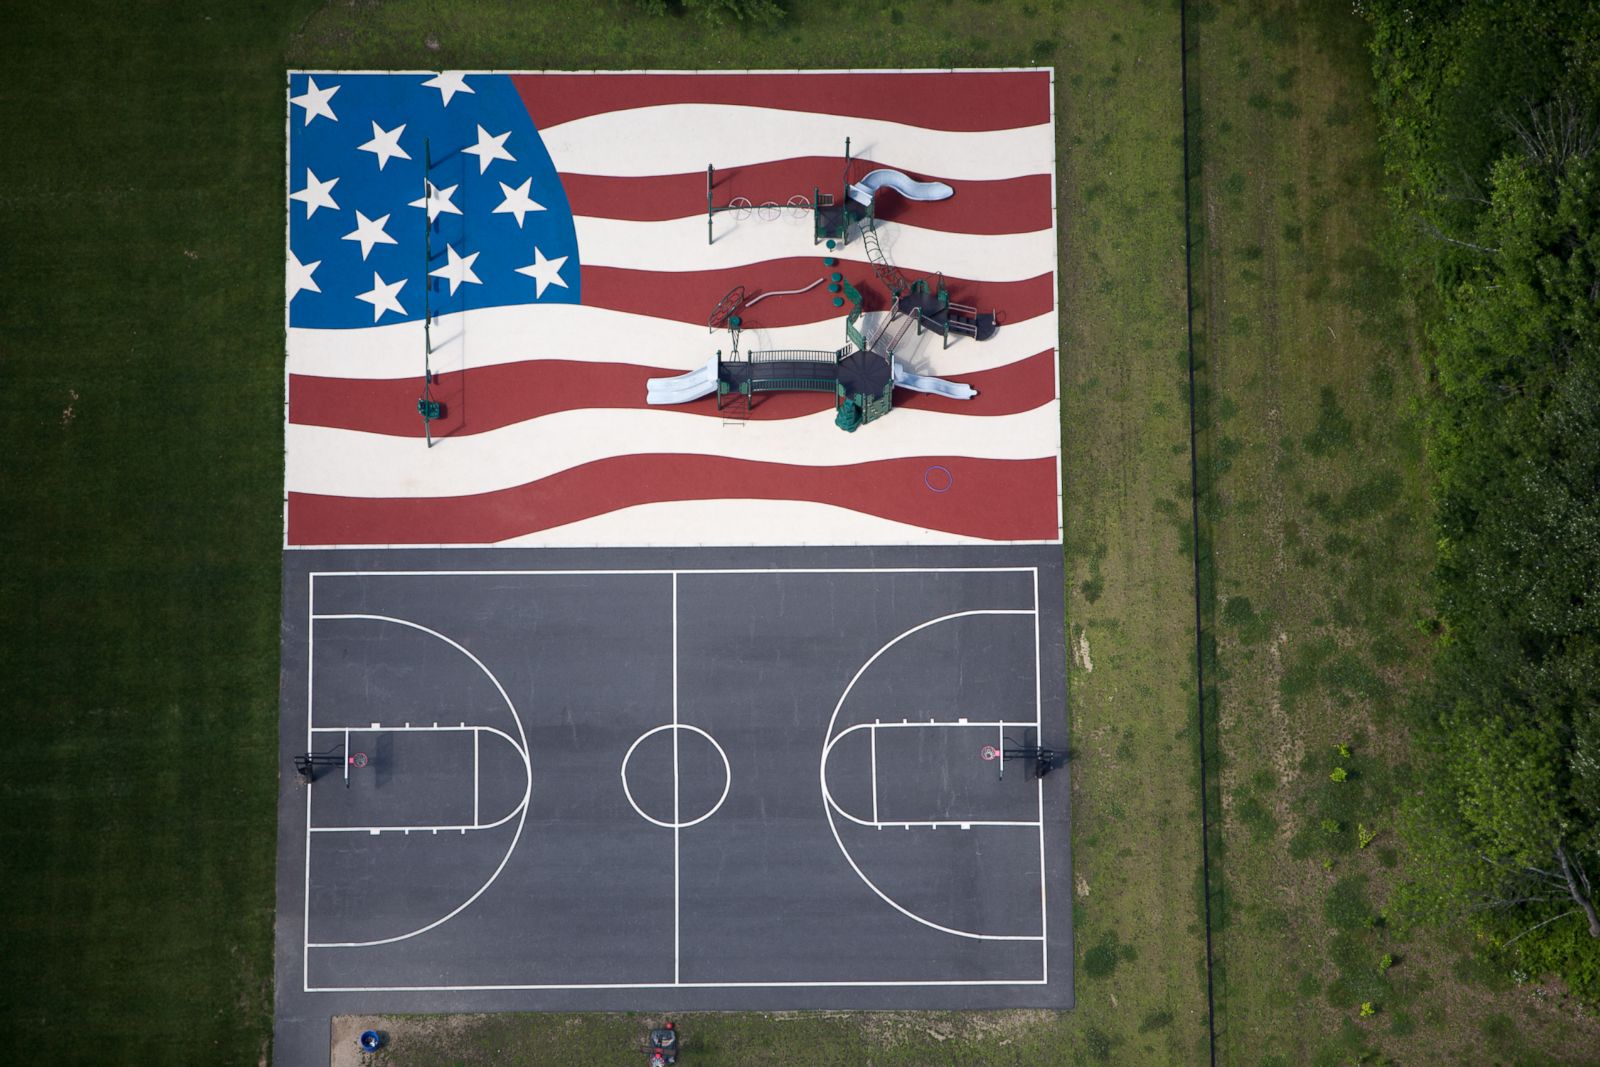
{"x":670,"y":780}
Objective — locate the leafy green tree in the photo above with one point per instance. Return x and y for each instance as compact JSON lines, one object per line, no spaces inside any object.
{"x":1491,"y":133}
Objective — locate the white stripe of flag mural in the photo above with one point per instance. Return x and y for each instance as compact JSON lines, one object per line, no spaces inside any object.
{"x":558,"y":225}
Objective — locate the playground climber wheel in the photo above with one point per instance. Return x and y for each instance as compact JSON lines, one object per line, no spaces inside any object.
{"x":741,"y":207}
{"x":799,"y":206}
{"x":768,"y":211}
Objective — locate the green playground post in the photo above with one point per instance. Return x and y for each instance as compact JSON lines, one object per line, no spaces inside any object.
{"x":427,"y":407}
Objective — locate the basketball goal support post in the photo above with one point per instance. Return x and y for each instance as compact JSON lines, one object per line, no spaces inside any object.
{"x":427,"y":406}
{"x":306,"y":763}
{"x":1035,"y":758}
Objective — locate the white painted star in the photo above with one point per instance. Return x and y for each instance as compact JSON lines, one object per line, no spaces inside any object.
{"x":449,"y":84}
{"x":315,"y":100}
{"x":316,"y":194}
{"x":458,"y":270}
{"x":383,"y":296}
{"x":299,"y":276}
{"x":489,"y":148}
{"x":369,"y":232}
{"x":517,"y":201}
{"x":544,"y":272}
{"x":437,"y":201}
{"x":385,"y":144}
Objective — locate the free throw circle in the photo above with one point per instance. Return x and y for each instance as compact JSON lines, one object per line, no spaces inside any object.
{"x":938,"y":478}
{"x":990,"y":753}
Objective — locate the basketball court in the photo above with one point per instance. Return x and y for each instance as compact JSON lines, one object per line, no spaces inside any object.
{"x":790,"y":795}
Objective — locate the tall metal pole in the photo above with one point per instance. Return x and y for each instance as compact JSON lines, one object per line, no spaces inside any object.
{"x":427,"y":304}
{"x":708,"y":203}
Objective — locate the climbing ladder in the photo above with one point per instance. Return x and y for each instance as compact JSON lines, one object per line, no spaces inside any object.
{"x":887,"y":272}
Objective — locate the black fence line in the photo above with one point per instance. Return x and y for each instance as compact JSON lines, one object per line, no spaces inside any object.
{"x":1199,"y":541}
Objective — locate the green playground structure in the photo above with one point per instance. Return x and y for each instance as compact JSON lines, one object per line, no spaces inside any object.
{"x":863,"y":374}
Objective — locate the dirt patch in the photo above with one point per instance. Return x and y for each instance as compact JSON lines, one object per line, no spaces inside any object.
{"x":1080,"y":653}
{"x":396,"y":1030}
{"x":1002,"y":1027}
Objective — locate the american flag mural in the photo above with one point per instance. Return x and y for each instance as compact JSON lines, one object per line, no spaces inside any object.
{"x":558,"y":225}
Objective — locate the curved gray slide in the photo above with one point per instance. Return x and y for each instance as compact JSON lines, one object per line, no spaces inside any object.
{"x":902,"y":183}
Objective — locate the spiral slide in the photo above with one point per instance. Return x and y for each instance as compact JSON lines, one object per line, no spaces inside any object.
{"x":682,"y":388}
{"x":885,"y":178}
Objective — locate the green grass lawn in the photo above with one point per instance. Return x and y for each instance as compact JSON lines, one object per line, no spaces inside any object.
{"x":140,"y":644}
{"x":143,"y":354}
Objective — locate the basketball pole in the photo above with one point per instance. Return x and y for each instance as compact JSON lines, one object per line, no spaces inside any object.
{"x":427,"y":288}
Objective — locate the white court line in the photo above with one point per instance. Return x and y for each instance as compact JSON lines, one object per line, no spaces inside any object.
{"x":416,"y":828}
{"x":874,"y":736}
{"x":1038,"y":739}
{"x":676,"y":818}
{"x":829,"y":806}
{"x":678,"y":985}
{"x":680,"y":570}
{"x":475,"y":816}
{"x":521,"y":809}
{"x":924,"y":724}
{"x":311,"y":662}
{"x":677,"y":982}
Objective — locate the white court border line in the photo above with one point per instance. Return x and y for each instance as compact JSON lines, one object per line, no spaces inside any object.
{"x":675,"y":572}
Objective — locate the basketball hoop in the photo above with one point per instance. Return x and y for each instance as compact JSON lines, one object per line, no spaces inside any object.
{"x":989,"y":753}
{"x":358,"y":759}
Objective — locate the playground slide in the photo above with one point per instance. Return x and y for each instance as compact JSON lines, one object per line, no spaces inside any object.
{"x":682,"y":388}
{"x":884,"y":178}
{"x":922,"y":383}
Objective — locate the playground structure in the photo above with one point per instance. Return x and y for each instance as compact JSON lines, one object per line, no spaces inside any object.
{"x":864,"y":373}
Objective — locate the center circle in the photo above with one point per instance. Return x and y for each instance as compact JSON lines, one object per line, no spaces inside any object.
{"x":664,"y":775}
